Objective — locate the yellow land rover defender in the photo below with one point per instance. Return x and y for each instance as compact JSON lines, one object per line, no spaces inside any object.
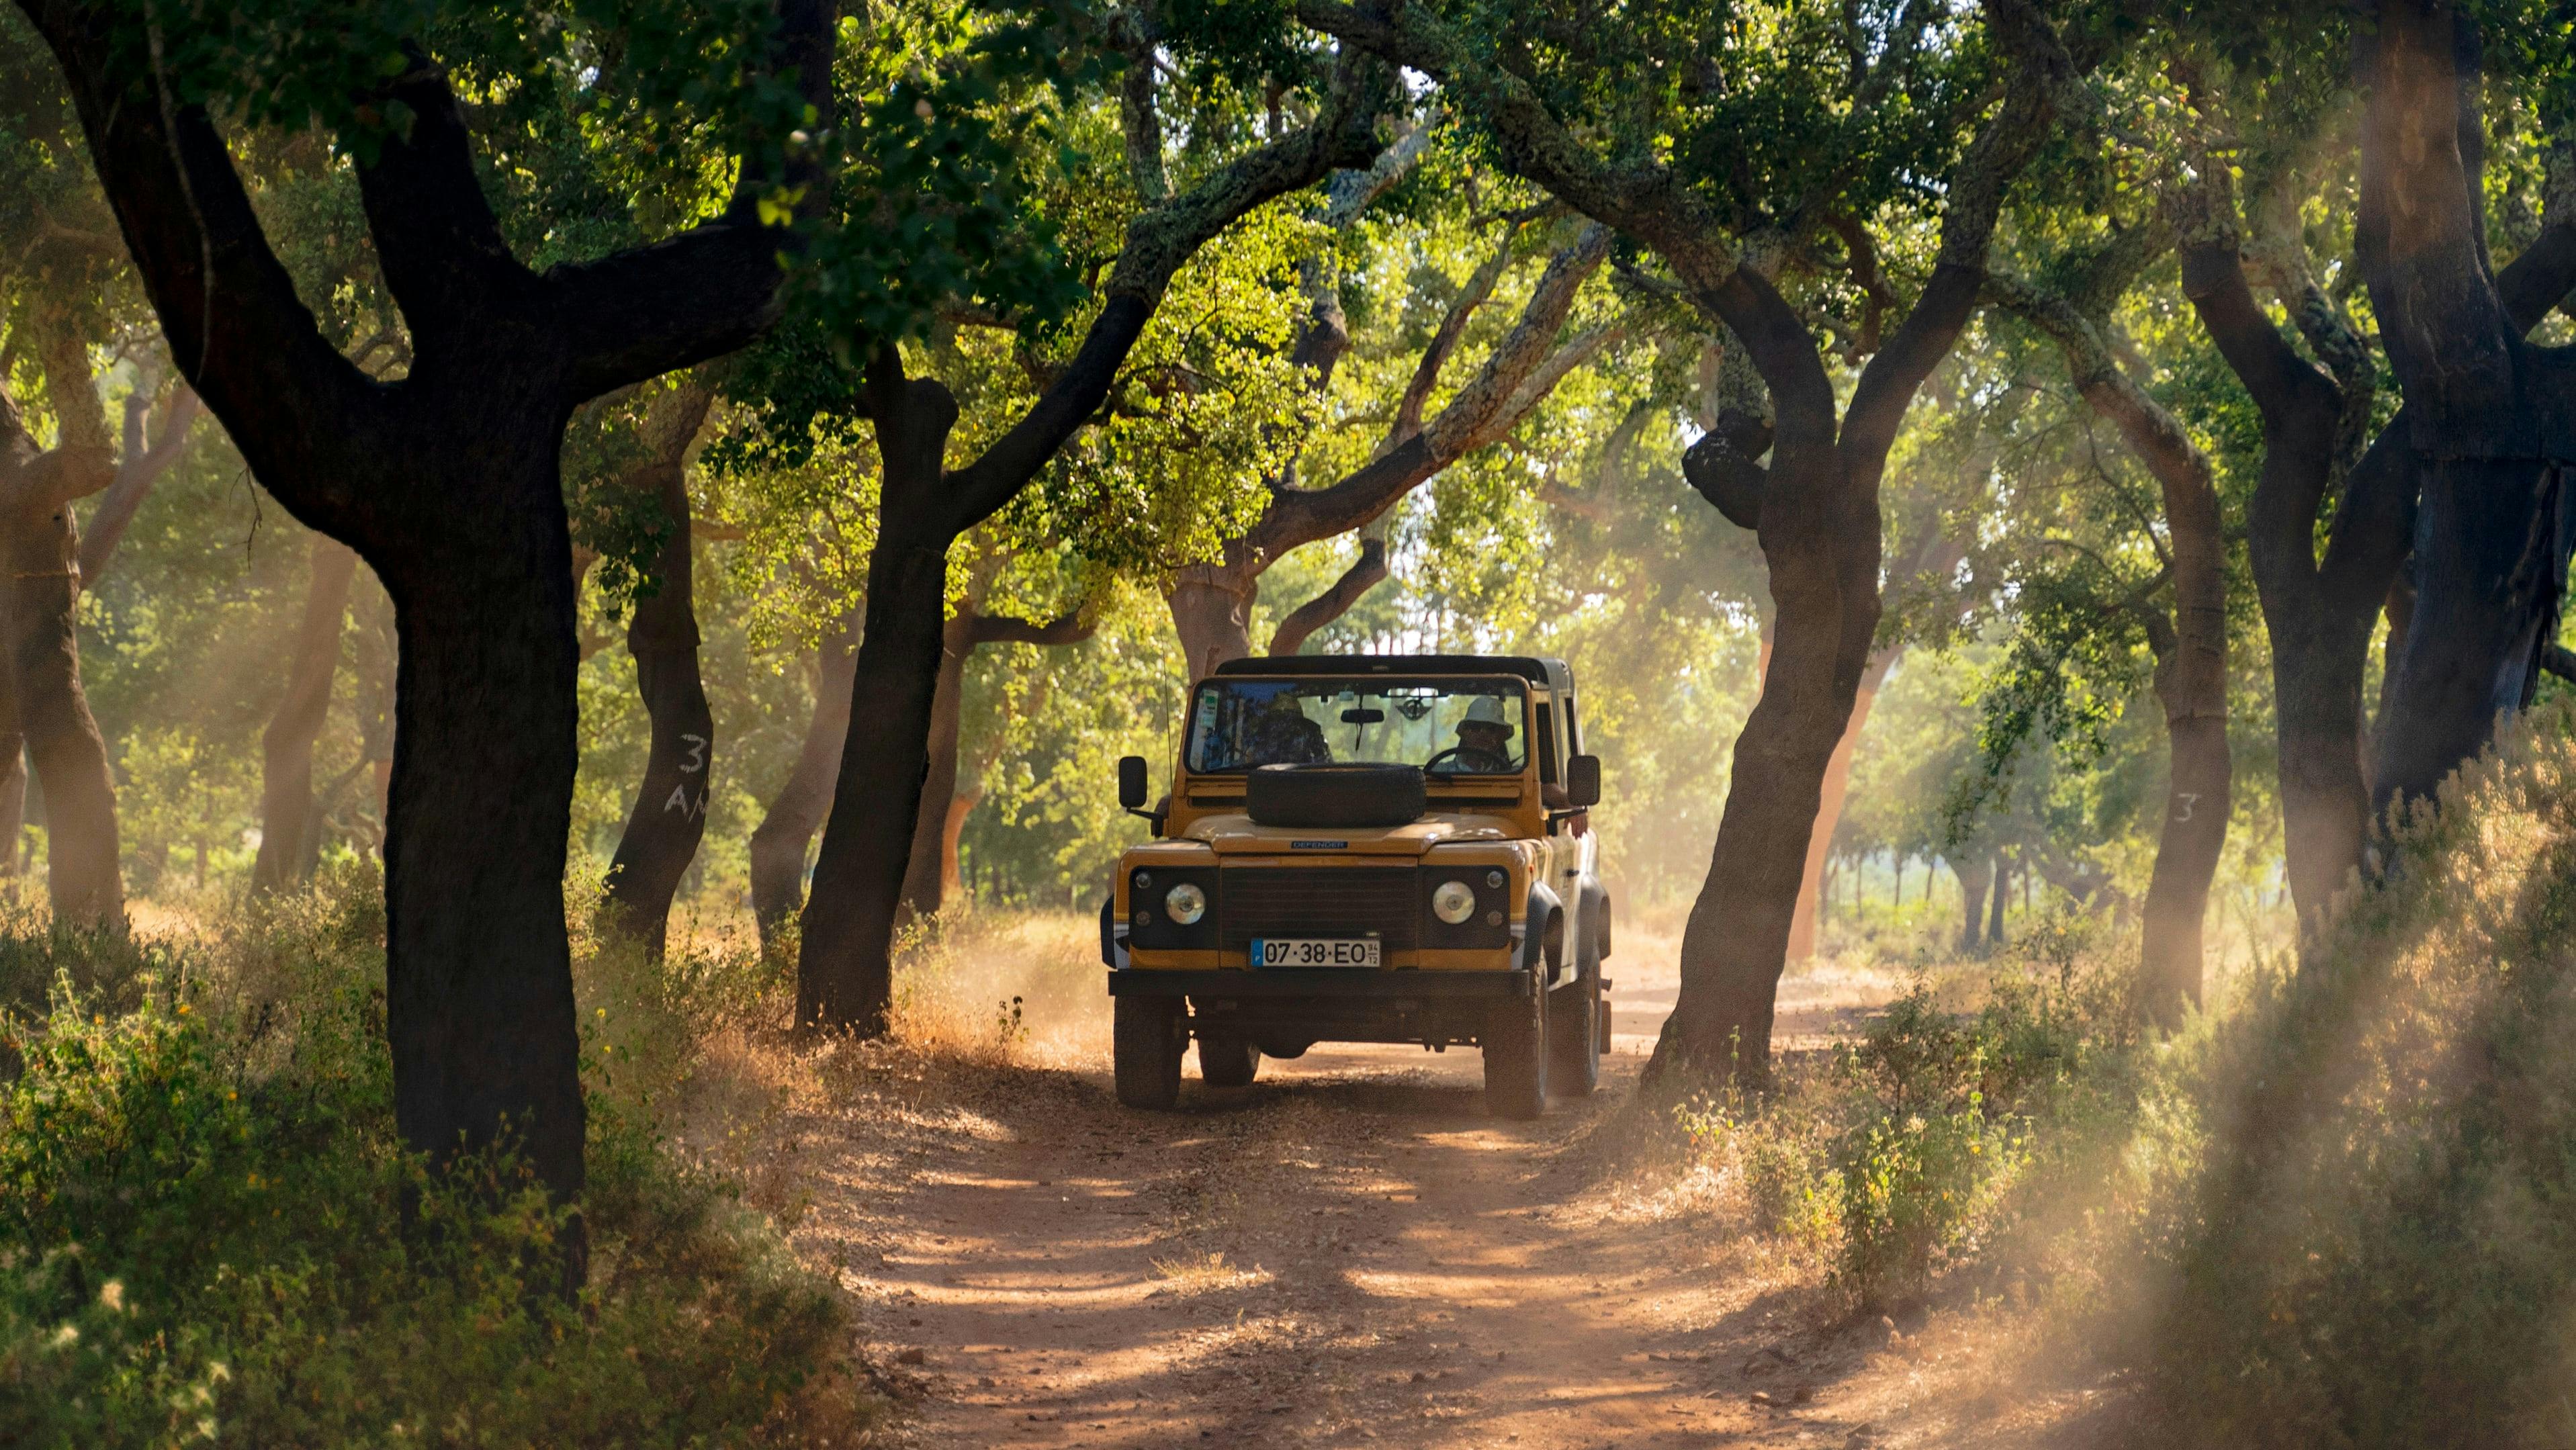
{"x":1370,"y":848}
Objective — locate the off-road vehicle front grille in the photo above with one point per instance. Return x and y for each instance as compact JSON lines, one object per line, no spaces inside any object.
{"x":1321,"y":901}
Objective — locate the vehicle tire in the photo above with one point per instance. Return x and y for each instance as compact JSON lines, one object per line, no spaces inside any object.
{"x":1574,"y":1022}
{"x":1516,"y":1054}
{"x":1147,"y":1037}
{"x":1604,"y":1024}
{"x":1226,"y":1060}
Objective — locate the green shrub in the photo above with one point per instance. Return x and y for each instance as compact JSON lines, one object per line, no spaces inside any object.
{"x":1930,"y":1139}
{"x":210,"y":1231}
{"x":2379,"y":1247}
{"x":1773,"y":1151}
{"x":1924,"y":1143}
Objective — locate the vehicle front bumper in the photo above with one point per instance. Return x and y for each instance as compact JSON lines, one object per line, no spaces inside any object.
{"x":1372,"y":983}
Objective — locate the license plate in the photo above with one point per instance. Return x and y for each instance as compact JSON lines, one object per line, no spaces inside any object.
{"x":1303,"y":951}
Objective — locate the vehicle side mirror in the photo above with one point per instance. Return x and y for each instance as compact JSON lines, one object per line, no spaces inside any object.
{"x":1583,"y":781}
{"x":1131,"y":782}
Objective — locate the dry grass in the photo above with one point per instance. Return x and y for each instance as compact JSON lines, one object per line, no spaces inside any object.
{"x":1016,"y":989}
{"x":1190,"y":1275}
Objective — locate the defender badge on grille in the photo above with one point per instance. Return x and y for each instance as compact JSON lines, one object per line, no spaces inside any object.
{"x":1319,"y":845}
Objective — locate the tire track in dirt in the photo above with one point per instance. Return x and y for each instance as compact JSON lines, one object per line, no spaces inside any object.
{"x":1347,"y":1252}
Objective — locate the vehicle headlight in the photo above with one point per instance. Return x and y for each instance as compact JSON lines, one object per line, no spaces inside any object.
{"x":1454,"y":902}
{"x":1186,"y":903}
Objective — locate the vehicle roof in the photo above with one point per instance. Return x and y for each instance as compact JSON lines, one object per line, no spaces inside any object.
{"x":1549,"y":672}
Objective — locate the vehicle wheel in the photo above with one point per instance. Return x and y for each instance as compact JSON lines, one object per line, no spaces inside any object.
{"x":1604,"y":1027}
{"x":1516,"y":1054}
{"x":1574,"y":1021}
{"x":1147,"y":1038}
{"x":1226,"y":1060}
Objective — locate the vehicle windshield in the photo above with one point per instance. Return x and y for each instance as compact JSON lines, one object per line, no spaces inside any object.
{"x":1448,"y":727}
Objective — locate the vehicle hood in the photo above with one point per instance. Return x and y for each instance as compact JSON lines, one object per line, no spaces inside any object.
{"x":1240,"y":835}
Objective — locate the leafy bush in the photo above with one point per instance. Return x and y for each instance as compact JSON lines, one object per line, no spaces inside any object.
{"x":1775,"y":1155}
{"x":1917,"y":1149}
{"x":2379,"y":1246}
{"x":210,"y":1231}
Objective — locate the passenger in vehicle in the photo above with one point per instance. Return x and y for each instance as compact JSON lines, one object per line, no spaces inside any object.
{"x":1484,"y":740}
{"x":1282,"y":735}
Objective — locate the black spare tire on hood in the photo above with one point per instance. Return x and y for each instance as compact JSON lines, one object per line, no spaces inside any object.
{"x":1335,"y":795}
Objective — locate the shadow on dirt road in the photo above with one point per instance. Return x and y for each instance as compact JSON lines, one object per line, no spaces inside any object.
{"x":1349,"y":1251}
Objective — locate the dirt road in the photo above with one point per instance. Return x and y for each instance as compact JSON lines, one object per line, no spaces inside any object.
{"x":1347,"y":1252}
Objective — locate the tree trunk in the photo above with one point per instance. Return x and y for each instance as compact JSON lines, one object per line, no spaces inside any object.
{"x":925,"y":881}
{"x":670,"y":812}
{"x":786,"y":830}
{"x":2199,"y":778}
{"x":1995,"y":913}
{"x":447,"y":482}
{"x":2191,"y":683}
{"x":1824,"y":587}
{"x":1975,"y":875}
{"x":13,"y":790}
{"x":2487,"y":413}
{"x":1829,"y":810}
{"x":2190,"y":647}
{"x":2399,"y":611}
{"x":83,"y":875}
{"x":952,"y":877}
{"x":1212,"y":610}
{"x":2316,"y":613}
{"x":478,"y":969}
{"x":288,"y":823}
{"x":845,"y":961}
{"x":2492,"y":539}
{"x":844,"y":972}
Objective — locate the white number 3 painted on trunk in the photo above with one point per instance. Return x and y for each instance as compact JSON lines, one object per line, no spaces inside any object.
{"x":697,"y":760}
{"x":2186,"y":798}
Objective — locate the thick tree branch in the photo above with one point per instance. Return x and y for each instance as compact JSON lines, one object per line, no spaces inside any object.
{"x":1648,"y":203}
{"x":1479,"y":413}
{"x":1326,"y":334}
{"x":1721,"y":466}
{"x":138,"y":468}
{"x":1578,"y":350}
{"x":1444,"y":343}
{"x":2151,"y":431}
{"x":1158,"y":242}
{"x":2419,"y":235}
{"x":2042,"y":75}
{"x":711,"y":289}
{"x":1365,"y":573}
{"x":1141,"y":122}
{"x":2540,"y":277}
{"x":437,"y":241}
{"x":227,"y":307}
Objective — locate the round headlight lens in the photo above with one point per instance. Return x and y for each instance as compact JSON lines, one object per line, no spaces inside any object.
{"x":1454,"y":902}
{"x":1186,"y":903}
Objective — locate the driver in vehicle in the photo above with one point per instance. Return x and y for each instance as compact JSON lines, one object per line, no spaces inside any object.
{"x":1484,"y":741}
{"x":1282,"y":735}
